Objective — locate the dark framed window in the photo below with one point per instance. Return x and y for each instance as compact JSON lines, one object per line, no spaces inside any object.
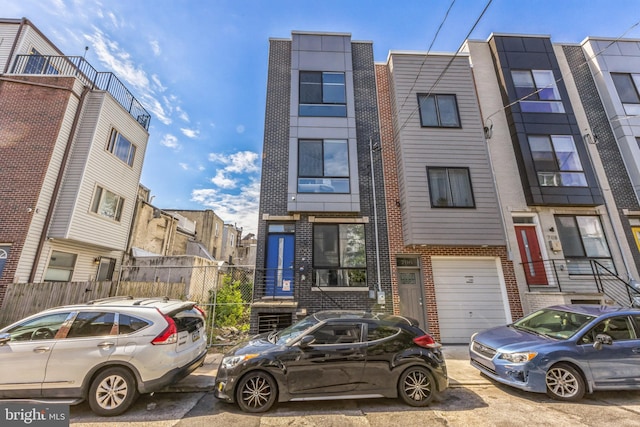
{"x":61,"y":266}
{"x":583,"y":240}
{"x":438,"y":110}
{"x":450,"y":187}
{"x":107,"y":204}
{"x":39,"y":64}
{"x":628,"y":88}
{"x":92,"y":324}
{"x":323,"y":166}
{"x":339,"y":255}
{"x":120,"y":147}
{"x":537,"y":90}
{"x":323,"y":94}
{"x":557,"y":161}
{"x":105,"y":269}
{"x":4,"y":255}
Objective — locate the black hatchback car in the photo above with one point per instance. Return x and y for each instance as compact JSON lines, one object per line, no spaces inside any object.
{"x":334,"y":355}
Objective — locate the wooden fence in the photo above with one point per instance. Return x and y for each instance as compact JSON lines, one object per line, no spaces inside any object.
{"x":24,"y":299}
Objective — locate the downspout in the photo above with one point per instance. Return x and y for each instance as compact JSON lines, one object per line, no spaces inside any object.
{"x":375,"y":215}
{"x":58,"y":185}
{"x":13,"y":46}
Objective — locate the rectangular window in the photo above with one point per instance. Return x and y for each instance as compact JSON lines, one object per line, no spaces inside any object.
{"x":339,"y":255}
{"x":556,"y":161}
{"x":120,"y":147}
{"x":537,"y":90}
{"x":4,"y":255}
{"x":105,"y":269}
{"x":323,"y":166}
{"x":438,"y":111}
{"x":450,"y":187}
{"x":107,"y":204}
{"x":60,"y":267}
{"x":628,"y":85}
{"x":322,"y":94}
{"x":582,"y":240}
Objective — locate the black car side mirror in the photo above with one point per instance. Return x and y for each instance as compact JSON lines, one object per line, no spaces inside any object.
{"x":306,"y":341}
{"x":602,"y":339}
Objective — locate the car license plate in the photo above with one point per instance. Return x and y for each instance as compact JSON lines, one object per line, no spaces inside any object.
{"x":195,"y":336}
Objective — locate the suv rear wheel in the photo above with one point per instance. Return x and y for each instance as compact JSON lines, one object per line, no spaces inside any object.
{"x":112,"y":392}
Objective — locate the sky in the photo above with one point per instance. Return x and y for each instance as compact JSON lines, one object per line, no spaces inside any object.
{"x":200,"y":67}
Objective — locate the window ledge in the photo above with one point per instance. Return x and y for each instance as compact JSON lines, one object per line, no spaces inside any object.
{"x":339,"y":289}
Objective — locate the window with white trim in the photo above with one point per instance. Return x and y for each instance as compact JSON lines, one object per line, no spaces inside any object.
{"x":107,"y":204}
{"x":60,"y":268}
{"x":120,"y":147}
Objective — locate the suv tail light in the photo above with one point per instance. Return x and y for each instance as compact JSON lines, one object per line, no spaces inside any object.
{"x":427,"y":341}
{"x":169,"y":335}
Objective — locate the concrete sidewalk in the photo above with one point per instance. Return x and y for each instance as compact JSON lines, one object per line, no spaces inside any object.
{"x":457,"y":357}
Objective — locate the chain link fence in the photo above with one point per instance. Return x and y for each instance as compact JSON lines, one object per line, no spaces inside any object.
{"x":223,"y":292}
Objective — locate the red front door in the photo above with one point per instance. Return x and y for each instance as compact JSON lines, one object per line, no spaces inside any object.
{"x":531,"y":256}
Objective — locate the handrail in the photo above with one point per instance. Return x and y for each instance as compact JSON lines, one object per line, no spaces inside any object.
{"x":78,"y":67}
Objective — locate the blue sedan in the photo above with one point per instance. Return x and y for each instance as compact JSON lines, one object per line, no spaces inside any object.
{"x":564,"y":351}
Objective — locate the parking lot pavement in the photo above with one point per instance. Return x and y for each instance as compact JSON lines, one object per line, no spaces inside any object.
{"x":461,"y":373}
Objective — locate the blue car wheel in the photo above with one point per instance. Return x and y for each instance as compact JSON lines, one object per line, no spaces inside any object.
{"x":564,"y":383}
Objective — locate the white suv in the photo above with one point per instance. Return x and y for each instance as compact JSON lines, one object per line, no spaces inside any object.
{"x":107,"y":351}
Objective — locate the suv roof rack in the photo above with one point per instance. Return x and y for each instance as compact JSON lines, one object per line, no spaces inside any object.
{"x":116,"y":298}
{"x":145,"y":300}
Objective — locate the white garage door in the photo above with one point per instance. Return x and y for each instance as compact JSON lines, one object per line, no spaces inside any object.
{"x":469,"y":297}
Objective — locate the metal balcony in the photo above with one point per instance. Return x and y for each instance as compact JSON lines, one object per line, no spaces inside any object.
{"x":78,"y":67}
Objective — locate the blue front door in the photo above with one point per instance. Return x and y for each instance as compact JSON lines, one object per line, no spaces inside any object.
{"x":280,"y":265}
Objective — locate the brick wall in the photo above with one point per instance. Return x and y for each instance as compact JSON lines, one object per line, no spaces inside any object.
{"x":30,"y":120}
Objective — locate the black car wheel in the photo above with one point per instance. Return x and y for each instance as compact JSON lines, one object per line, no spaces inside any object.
{"x":416,"y":386}
{"x":112,"y":392}
{"x":564,"y":383}
{"x":256,"y":392}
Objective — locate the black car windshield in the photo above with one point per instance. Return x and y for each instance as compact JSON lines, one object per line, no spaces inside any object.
{"x":554,"y":323}
{"x":286,"y":335}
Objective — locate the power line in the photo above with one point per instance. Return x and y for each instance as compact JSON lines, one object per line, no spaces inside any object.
{"x":433,"y":86}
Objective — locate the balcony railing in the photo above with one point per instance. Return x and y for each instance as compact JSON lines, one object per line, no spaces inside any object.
{"x":77,"y":66}
{"x":584,"y":275}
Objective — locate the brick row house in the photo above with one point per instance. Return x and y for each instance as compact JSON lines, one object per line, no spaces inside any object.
{"x":505,"y":179}
{"x":72,"y":144}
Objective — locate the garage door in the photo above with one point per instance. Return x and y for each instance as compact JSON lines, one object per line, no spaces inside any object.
{"x":469,"y":297}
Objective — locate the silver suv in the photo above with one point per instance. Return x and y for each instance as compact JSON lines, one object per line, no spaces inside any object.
{"x":106,"y":351}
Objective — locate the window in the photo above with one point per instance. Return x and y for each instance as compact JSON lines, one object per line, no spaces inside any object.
{"x":40,"y":328}
{"x":556,"y":161}
{"x":322,"y":94}
{"x":538,"y":91}
{"x":339,"y":256}
{"x":323,"y":166}
{"x":105,"y":269}
{"x":38,"y":64}
{"x":60,"y":267}
{"x":618,"y":328}
{"x":4,"y":255}
{"x":128,"y":324}
{"x":378,"y":332}
{"x":92,"y":324}
{"x":583,"y":240}
{"x":450,"y":187}
{"x":627,"y":86}
{"x":337,"y":334}
{"x":107,"y":204}
{"x":120,"y":147}
{"x":438,"y":111}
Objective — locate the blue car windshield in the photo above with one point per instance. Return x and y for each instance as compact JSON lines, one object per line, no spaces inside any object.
{"x":557,"y":324}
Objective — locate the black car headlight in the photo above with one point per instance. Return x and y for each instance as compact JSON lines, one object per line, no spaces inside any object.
{"x":519,"y":357}
{"x":231,"y":362}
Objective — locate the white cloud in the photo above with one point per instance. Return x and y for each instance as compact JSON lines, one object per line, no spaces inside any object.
{"x":158,"y":83}
{"x":182,"y":114}
{"x":184,"y":166}
{"x":190,"y":133}
{"x":155,"y":47}
{"x":240,"y":128}
{"x":170,"y":141}
{"x":242,"y":209}
{"x":240,"y":162}
{"x":114,"y":19}
{"x":222,"y":181}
